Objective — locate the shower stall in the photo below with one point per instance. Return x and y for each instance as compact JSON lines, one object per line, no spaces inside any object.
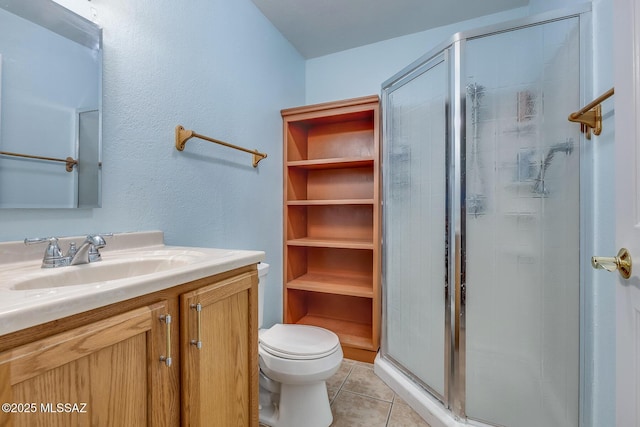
{"x":481,"y":226}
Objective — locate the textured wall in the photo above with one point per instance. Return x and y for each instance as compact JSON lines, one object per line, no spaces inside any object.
{"x":215,"y":66}
{"x":361,"y":71}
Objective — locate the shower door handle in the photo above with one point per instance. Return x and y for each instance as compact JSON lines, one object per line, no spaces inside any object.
{"x":621,"y":262}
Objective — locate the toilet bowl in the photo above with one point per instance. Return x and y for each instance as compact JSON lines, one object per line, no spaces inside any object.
{"x":295,"y":362}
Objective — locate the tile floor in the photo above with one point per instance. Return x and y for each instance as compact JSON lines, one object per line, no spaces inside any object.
{"x":359,"y":398}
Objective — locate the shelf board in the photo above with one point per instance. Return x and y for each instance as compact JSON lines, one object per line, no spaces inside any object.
{"x":338,"y":162}
{"x":330,"y":202}
{"x":332,"y":243}
{"x":357,"y":286}
{"x":357,"y":335}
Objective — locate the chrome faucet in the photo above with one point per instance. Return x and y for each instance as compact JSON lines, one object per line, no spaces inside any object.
{"x":88,"y":250}
{"x":86,"y":253}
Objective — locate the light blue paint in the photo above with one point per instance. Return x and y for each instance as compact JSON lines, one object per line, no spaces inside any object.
{"x":361,"y":71}
{"x":539,"y":6}
{"x":600,"y":373}
{"x":218,"y":67}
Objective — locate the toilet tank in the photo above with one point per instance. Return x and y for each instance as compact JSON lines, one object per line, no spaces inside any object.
{"x":263,"y":269}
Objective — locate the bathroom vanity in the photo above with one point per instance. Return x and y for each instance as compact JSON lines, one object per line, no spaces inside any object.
{"x":169,"y":347}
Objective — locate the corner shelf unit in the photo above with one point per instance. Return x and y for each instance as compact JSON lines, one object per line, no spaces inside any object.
{"x":332,"y":221}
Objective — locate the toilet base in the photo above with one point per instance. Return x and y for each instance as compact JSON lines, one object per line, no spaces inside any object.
{"x":298,"y":405}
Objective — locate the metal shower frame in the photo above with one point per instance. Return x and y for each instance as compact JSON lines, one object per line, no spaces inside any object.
{"x":451,"y":52}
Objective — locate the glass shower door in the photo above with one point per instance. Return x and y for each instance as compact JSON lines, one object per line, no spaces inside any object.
{"x":481,"y":223}
{"x":414,"y":261}
{"x":522,"y":226}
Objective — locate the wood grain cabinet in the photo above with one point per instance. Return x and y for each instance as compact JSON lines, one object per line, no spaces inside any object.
{"x":107,"y":367}
{"x":94,"y":375}
{"x":219,"y":367}
{"x":332,"y":221}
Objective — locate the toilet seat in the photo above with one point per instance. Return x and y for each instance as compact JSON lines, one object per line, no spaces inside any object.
{"x":298,"y":342}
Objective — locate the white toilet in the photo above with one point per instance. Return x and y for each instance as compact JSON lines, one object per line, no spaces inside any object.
{"x":295,"y":362}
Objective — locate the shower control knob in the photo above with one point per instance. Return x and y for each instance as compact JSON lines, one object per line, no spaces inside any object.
{"x":621,"y":262}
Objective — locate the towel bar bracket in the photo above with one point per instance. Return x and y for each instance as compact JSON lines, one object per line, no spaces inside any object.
{"x":590,"y":121}
{"x":590,"y":116}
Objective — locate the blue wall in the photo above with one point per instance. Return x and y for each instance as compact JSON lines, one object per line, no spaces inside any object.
{"x":361,"y":71}
{"x":218,"y":67}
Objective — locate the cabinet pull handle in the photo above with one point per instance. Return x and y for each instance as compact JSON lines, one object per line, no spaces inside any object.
{"x":167,"y":359}
{"x":198,"y":342}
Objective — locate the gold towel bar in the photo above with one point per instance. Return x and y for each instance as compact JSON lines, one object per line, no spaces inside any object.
{"x":182,"y":135}
{"x":590,"y":116}
{"x":69,"y":161}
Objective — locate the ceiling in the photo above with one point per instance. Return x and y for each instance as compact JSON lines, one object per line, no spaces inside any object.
{"x":321,"y":27}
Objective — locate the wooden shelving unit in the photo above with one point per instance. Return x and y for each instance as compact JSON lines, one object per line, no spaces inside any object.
{"x":332,"y":221}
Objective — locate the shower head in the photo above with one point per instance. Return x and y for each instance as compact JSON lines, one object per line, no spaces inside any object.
{"x":567,"y":148}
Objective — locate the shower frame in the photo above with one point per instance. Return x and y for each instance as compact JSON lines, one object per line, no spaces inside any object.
{"x":451,"y":52}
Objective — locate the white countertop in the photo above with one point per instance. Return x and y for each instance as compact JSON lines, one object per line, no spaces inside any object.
{"x":21,"y":309}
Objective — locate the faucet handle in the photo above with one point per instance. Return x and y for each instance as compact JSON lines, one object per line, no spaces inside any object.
{"x":33,"y":240}
{"x":97,"y":241}
{"x":52,"y":255}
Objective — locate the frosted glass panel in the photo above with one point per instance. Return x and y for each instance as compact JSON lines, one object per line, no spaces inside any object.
{"x":522,"y":227}
{"x":414,"y":223}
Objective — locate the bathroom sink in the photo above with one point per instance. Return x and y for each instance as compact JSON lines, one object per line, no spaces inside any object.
{"x":122,"y":266}
{"x":133,"y":264}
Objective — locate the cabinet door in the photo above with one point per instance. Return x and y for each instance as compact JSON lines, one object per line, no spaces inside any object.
{"x":219,"y":341}
{"x":107,"y":373}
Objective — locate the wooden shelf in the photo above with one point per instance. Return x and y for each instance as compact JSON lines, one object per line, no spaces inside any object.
{"x":329,"y":184}
{"x":330,"y":202}
{"x":345,"y":243}
{"x":352,"y":334}
{"x":333,"y":284}
{"x":332,"y":221}
{"x":335,"y":163}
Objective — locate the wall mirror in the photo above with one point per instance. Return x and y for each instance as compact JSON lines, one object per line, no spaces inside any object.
{"x":50,"y":107}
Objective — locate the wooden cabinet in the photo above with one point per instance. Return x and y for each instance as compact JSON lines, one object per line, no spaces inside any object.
{"x":113,"y":359}
{"x":100,"y":374}
{"x":218,"y":376}
{"x":332,"y":221}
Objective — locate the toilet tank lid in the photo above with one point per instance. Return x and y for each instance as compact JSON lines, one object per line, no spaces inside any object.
{"x":263,"y":269}
{"x":299,"y":340}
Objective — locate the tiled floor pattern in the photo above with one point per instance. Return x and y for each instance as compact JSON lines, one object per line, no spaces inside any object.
{"x":359,"y":398}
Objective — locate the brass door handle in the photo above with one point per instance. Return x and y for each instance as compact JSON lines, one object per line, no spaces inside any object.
{"x":622,"y":263}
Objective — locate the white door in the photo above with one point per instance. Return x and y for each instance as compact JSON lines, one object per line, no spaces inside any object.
{"x":627,"y":118}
